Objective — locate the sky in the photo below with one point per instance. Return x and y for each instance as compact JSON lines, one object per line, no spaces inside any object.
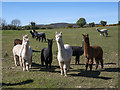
{"x":59,"y":12}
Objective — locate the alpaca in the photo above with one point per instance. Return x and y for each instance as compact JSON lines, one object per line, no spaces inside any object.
{"x":26,"y":53}
{"x":39,"y":35}
{"x":16,"y":54}
{"x":17,"y":41}
{"x":77,"y":51}
{"x":102,"y":31}
{"x":91,"y":52}
{"x":32,"y":34}
{"x":46,"y":54}
{"x":64,"y":54}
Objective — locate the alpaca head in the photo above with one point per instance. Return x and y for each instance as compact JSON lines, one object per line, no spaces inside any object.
{"x":86,"y":38}
{"x":59,"y":37}
{"x":50,"y":42}
{"x":25,"y":38}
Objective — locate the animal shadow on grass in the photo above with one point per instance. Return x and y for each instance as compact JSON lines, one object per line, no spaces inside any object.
{"x":38,"y":67}
{"x":19,"y":83}
{"x":111,"y":70}
{"x":52,"y":69}
{"x":89,"y":74}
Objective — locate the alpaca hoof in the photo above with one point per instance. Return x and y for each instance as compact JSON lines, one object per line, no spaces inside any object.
{"x":23,"y":69}
{"x":61,"y":74}
{"x":65,"y":76}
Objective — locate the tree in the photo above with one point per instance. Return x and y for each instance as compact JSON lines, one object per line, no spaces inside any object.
{"x":92,"y":24}
{"x":16,"y":22}
{"x":103,"y":23}
{"x":33,"y":25}
{"x":2,"y":24}
{"x":81,"y":22}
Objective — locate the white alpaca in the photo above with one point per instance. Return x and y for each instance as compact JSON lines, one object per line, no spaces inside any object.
{"x":24,"y":52}
{"x":16,"y":54}
{"x":64,"y":54}
{"x":102,"y":31}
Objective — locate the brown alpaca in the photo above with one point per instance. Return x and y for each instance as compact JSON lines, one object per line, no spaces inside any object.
{"x":91,"y":52}
{"x":17,"y":41}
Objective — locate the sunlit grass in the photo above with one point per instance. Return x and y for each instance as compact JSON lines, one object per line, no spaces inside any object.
{"x":51,"y":78}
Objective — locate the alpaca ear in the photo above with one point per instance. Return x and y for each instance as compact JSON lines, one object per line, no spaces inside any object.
{"x":56,"y":33}
{"x":87,"y":34}
{"x":83,"y":34}
{"x":61,"y":33}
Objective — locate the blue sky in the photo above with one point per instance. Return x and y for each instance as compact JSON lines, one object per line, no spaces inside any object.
{"x":56,"y":12}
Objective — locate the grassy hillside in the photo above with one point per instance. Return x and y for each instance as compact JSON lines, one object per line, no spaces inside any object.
{"x":40,"y":77}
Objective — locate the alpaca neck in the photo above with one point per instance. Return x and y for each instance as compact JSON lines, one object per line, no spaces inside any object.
{"x":86,"y":48}
{"x":60,"y":46}
{"x":50,"y":48}
{"x":98,"y":30}
{"x":26,"y":49}
{"x":82,"y":44}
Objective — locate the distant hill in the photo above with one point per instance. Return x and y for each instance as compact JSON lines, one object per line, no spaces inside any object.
{"x":59,"y":25}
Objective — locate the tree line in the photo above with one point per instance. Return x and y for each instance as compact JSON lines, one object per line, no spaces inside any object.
{"x":16,"y":25}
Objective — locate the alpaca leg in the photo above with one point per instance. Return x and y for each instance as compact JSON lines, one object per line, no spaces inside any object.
{"x":61,"y":67}
{"x":15,"y":59}
{"x":76,"y":60}
{"x":30,"y":63}
{"x":46,"y":62}
{"x":45,"y":39}
{"x":86,"y":65}
{"x":27,"y":66}
{"x":91,"y":63}
{"x":42,"y":58}
{"x":68,"y":66}
{"x":23,"y":62}
{"x":101,"y":61}
{"x":42,"y":39}
{"x":103,"y":34}
{"x":36,"y":38}
{"x":78,"y":57}
{"x":20,"y":60}
{"x":39,"y":39}
{"x":50,"y":61}
{"x":97,"y":63}
{"x":65,"y":69}
{"x":106,"y":34}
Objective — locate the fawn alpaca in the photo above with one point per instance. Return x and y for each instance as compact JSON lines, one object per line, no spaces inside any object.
{"x":64,"y":54}
{"x":91,"y":52}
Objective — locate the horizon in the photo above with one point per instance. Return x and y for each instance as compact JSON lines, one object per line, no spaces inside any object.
{"x":60,"y":12}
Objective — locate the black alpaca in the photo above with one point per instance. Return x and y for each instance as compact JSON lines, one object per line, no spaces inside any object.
{"x":77,"y":51}
{"x":46,"y":54}
{"x":32,"y":34}
{"x":41,"y":35}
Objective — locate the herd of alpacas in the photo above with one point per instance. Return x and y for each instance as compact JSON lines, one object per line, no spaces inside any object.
{"x":22,"y":52}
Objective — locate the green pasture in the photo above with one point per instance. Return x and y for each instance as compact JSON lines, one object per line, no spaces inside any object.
{"x":40,"y":77}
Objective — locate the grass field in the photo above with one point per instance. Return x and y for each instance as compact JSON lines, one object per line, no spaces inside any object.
{"x":40,"y":77}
